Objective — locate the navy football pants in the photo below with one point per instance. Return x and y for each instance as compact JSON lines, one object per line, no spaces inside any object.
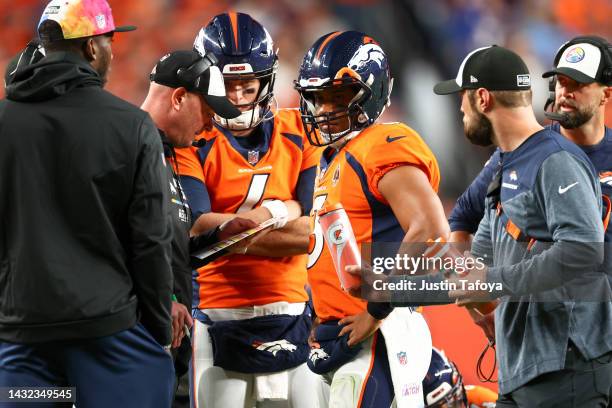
{"x":128,"y":369}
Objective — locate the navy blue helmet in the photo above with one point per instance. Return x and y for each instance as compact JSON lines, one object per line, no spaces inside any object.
{"x":245,"y":51}
{"x":443,"y":384}
{"x":344,"y":59}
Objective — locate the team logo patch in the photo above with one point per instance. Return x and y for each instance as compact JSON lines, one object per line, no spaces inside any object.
{"x":523,"y":80}
{"x":275,"y":346}
{"x":575,"y":55}
{"x":101,"y":21}
{"x":317,"y":354}
{"x":402,"y":358}
{"x":253,"y":157}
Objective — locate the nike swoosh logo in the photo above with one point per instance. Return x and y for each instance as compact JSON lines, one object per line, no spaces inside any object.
{"x":393,"y":139}
{"x":562,"y":190}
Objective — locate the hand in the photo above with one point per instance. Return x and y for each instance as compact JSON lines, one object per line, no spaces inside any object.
{"x":236,"y":226}
{"x":477,"y":274}
{"x":366,"y":290}
{"x":359,"y":327}
{"x":180,"y":319}
{"x":312,"y":341}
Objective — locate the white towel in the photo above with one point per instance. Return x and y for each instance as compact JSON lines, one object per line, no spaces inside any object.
{"x":274,"y":386}
{"x":408,"y":342}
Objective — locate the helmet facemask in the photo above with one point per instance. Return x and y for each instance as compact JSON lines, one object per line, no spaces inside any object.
{"x":314,"y":124}
{"x":258,"y":110}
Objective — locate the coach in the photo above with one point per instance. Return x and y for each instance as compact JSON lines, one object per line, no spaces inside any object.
{"x":85,"y":278}
{"x":541,"y":232}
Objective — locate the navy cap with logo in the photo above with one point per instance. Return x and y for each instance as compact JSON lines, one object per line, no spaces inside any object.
{"x":196,"y":73}
{"x":494,"y":68}
{"x":584,"y":59}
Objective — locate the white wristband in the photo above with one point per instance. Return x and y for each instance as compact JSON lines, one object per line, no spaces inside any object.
{"x":278,"y":209}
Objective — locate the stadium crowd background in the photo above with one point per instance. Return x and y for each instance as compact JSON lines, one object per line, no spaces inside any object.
{"x":424,"y":39}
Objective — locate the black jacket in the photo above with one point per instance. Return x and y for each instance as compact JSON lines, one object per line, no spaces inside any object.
{"x":84,"y":215}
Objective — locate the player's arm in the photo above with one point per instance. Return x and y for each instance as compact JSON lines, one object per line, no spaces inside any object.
{"x":420,"y":213}
{"x":293,"y":238}
{"x":469,"y":208}
{"x":415,"y":204}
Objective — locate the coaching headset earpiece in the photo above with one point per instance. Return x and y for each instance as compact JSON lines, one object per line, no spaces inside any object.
{"x":191,"y":74}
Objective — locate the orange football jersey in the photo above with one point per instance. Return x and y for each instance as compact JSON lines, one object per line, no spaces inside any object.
{"x":237,"y":182}
{"x":350,"y":178}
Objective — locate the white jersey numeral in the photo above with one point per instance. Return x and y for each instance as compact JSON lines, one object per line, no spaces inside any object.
{"x":255,"y":193}
{"x":317,"y":248}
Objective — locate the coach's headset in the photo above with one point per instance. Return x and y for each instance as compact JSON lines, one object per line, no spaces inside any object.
{"x":606,"y":71}
{"x":191,"y":75}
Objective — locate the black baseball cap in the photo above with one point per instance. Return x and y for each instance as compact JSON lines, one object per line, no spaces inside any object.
{"x":584,"y":60}
{"x":494,"y":68}
{"x":196,"y":73}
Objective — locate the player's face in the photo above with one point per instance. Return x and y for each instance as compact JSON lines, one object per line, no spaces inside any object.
{"x":577,"y":102}
{"x":242,"y":92}
{"x":476,"y":126}
{"x":330,"y":100}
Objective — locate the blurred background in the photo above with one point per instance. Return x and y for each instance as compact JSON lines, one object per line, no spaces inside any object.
{"x":425,"y":41}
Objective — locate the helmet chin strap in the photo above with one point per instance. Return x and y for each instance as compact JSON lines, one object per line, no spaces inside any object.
{"x":339,"y":144}
{"x":247,"y":120}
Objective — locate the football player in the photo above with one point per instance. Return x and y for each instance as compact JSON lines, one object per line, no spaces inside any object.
{"x":251,"y":315}
{"x":443,"y":387}
{"x":386,"y":178}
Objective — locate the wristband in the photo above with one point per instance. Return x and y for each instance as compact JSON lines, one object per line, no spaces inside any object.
{"x":278,"y":209}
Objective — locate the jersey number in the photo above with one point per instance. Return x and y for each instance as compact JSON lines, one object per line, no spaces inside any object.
{"x":255,"y":192}
{"x":317,"y":247}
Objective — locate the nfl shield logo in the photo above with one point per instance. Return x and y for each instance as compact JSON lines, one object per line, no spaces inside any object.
{"x":253,"y":157}
{"x":401,"y":357}
{"x":101,"y":21}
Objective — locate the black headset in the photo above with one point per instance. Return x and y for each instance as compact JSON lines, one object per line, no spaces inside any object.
{"x":605,"y":76}
{"x":191,"y":74}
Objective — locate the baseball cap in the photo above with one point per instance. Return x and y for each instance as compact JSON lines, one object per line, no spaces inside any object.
{"x":195,"y":73}
{"x":494,"y":68}
{"x":82,"y":18}
{"x":583,"y":59}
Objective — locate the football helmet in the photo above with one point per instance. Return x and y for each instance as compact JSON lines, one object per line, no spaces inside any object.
{"x":245,"y":51}
{"x":341,"y":59}
{"x":443,"y":384}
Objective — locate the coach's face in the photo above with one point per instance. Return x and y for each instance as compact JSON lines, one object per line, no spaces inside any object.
{"x":578,"y":102}
{"x":102,"y":54}
{"x":476,"y":126}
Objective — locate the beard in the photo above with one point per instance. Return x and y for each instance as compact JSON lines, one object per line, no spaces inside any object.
{"x":577,"y":118}
{"x":480,"y":132}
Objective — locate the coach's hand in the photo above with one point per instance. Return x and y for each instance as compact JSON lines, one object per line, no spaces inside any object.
{"x":359,"y":327}
{"x":180,"y":319}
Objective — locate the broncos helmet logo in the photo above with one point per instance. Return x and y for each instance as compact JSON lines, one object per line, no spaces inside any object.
{"x":364,"y":54}
{"x":317,"y":354}
{"x":275,"y":346}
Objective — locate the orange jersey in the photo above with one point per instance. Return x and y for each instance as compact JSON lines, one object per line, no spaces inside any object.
{"x":238,"y":179}
{"x":480,"y":397}
{"x":350,"y":178}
